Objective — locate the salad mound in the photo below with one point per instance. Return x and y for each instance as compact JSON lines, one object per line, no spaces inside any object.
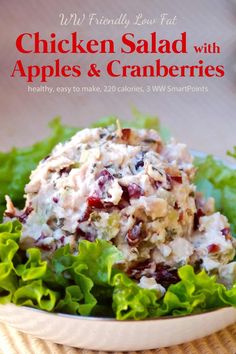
{"x":127,"y":187}
{"x":113,"y":225}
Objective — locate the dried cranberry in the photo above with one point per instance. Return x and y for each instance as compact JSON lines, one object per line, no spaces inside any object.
{"x":134,"y":235}
{"x":198,"y":265}
{"x":79,"y":232}
{"x":124,"y":201}
{"x":122,"y":204}
{"x":197,"y":217}
{"x":213,"y":248}
{"x":176,"y":206}
{"x":22,"y":218}
{"x":85,"y":235}
{"x":125,"y":134}
{"x":107,"y":205}
{"x":134,"y":190}
{"x":104,"y":176}
{"x":56,"y":200}
{"x":177,"y":179}
{"x":94,"y":202}
{"x":168,"y":185}
{"x":125,"y":194}
{"x":47,"y":248}
{"x":138,"y":270}
{"x":62,"y":240}
{"x":52,"y":222}
{"x":89,"y":237}
{"x":65,"y":170}
{"x":165,"y":275}
{"x":102,"y":179}
{"x":86,"y":214}
{"x":226,"y":233}
{"x":157,"y":184}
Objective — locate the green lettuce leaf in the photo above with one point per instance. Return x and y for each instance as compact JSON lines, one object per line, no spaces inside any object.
{"x":98,"y":255}
{"x":65,"y":275}
{"x":232,"y":153}
{"x":147,"y":121}
{"x":17,"y":164}
{"x":130,"y":301}
{"x":27,"y":280}
{"x":71,"y":302}
{"x":214,"y":178}
{"x":89,"y":283}
{"x":84,"y":276}
{"x":35,"y":294}
{"x":9,"y":238}
{"x":34,"y":268}
{"x":195,"y":293}
{"x":104,"y":122}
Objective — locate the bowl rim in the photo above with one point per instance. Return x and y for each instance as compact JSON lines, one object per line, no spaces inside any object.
{"x":112,"y":319}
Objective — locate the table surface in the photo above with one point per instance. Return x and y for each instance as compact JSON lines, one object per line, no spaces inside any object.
{"x":205,"y":121}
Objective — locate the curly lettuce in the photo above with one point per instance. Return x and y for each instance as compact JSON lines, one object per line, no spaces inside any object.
{"x":17,"y":164}
{"x":90,"y":283}
{"x":215,"y":179}
{"x":232,"y":153}
{"x":195,"y":293}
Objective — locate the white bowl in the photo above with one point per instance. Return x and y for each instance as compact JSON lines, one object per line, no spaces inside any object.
{"x":112,"y":335}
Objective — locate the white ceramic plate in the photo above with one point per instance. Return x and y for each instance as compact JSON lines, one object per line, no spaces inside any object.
{"x":111,"y":335}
